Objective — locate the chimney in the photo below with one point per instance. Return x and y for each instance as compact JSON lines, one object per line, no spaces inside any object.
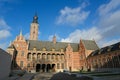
{"x":54,"y":39}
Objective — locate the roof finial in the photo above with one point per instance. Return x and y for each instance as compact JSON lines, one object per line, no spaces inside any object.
{"x":54,"y":39}
{"x":20,"y":32}
{"x":10,"y":43}
{"x":93,"y":39}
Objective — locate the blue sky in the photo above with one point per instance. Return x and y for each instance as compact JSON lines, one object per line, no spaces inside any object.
{"x":69,"y":20}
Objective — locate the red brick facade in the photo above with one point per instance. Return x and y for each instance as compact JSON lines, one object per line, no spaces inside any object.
{"x":35,"y":55}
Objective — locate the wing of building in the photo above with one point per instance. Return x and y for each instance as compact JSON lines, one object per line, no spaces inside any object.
{"x":5,"y":64}
{"x":34,"y":55}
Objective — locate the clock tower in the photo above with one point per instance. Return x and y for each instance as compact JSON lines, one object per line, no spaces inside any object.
{"x":34,"y":28}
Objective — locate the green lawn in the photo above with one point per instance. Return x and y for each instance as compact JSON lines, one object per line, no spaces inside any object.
{"x":110,"y":74}
{"x":90,"y":72}
{"x":99,"y":74}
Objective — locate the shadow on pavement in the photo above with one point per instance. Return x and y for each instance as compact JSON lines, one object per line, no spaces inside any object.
{"x":65,"y":76}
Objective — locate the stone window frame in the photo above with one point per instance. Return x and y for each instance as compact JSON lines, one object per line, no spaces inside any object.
{"x":58,"y":65}
{"x":21,"y":63}
{"x":22,"y":53}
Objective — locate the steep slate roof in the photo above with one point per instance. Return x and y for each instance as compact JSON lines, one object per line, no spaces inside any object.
{"x":11,"y":46}
{"x":39,"y":45}
{"x":90,"y":44}
{"x":106,"y":49}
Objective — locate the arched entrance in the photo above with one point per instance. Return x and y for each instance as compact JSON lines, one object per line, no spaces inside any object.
{"x":38,"y":67}
{"x":48,"y":68}
{"x":45,"y":67}
{"x":53,"y":67}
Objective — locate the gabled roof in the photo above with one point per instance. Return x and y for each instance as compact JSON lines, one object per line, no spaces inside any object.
{"x":106,"y":49}
{"x":90,"y":44}
{"x":4,"y":52}
{"x":39,"y":45}
{"x":11,"y":46}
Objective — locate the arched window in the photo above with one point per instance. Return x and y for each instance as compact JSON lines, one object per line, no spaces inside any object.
{"x":29,"y":56}
{"x":58,"y":66}
{"x":28,"y":65}
{"x":22,"y":53}
{"x":38,"y":56}
{"x":21,"y":63}
{"x":43,"y":56}
{"x":62,"y":56}
{"x":34,"y":56}
{"x":53,"y":56}
{"x":48,"y":56}
{"x":62,"y":65}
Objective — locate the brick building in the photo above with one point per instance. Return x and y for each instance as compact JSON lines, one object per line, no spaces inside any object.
{"x":105,"y":59}
{"x":44,"y":56}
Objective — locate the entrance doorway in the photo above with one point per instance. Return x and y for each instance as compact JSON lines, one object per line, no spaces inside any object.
{"x":45,"y":67}
{"x":53,"y":67}
{"x":38,"y":67}
{"x":48,"y":68}
{"x":70,"y":68}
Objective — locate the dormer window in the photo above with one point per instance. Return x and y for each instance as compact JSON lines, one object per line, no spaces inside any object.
{"x":109,"y":48}
{"x":61,"y":50}
{"x":44,"y":49}
{"x":101,"y":50}
{"x":34,"y":49}
{"x":53,"y":49}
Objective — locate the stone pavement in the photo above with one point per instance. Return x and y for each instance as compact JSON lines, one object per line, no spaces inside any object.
{"x":66,"y":76}
{"x":27,"y":76}
{"x":43,"y":76}
{"x":62,"y":76}
{"x":107,"y":78}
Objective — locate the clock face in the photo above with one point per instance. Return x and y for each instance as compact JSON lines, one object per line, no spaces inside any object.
{"x":35,"y":17}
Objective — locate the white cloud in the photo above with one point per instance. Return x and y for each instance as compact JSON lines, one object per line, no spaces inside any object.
{"x":72,"y":16}
{"x":4,"y":45}
{"x":92,"y":33}
{"x":4,"y":29}
{"x":109,"y":19}
{"x":109,"y":25}
{"x":3,"y":24}
{"x":109,"y":7}
{"x":27,"y":35}
{"x":50,"y":38}
{"x":4,"y":34}
{"x":107,"y":43}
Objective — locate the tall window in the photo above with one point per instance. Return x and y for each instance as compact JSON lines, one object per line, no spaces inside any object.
{"x":28,"y":65}
{"x":21,"y":63}
{"x":22,"y":53}
{"x":62,"y":65}
{"x":58,"y":66}
{"x":29,"y":56}
{"x":53,"y":56}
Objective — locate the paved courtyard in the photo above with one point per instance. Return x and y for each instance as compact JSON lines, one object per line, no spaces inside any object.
{"x":63,"y":76}
{"x":58,"y":76}
{"x":43,"y":76}
{"x":66,"y":76}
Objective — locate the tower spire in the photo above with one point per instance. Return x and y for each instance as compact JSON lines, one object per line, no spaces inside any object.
{"x":34,"y":28}
{"x":35,"y":18}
